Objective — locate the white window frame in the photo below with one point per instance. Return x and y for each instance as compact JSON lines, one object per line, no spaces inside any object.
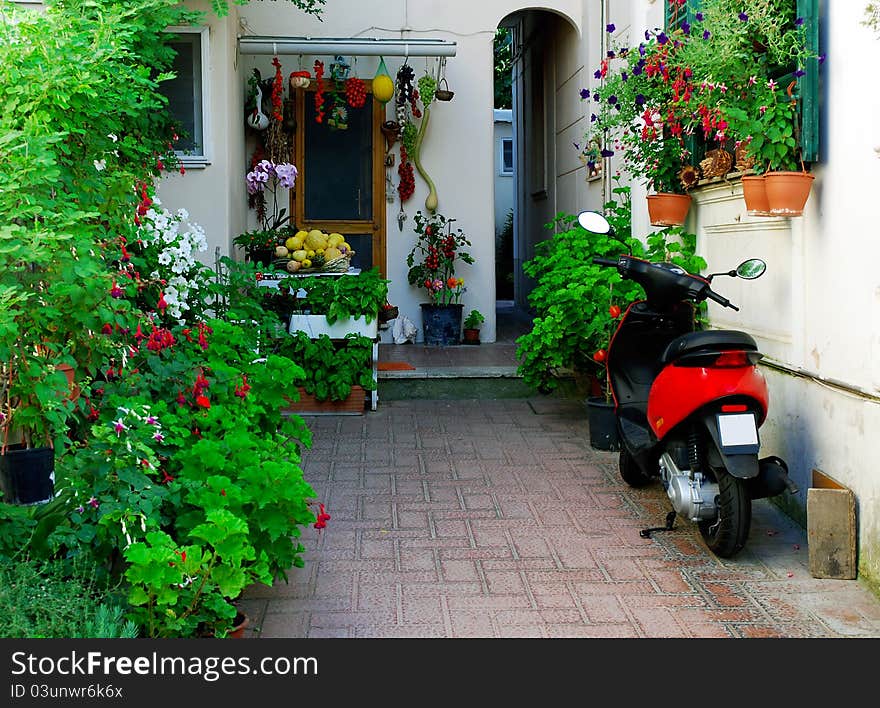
{"x":202,"y":159}
{"x":502,"y":168}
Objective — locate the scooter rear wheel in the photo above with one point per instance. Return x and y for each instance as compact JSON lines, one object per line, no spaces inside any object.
{"x":727,"y":533}
{"x":630,"y":472}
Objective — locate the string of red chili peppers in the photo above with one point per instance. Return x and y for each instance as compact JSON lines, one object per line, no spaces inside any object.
{"x":319,"y":91}
{"x":277,"y":91}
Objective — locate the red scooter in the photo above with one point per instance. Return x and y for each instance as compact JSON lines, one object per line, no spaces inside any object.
{"x":689,"y":403}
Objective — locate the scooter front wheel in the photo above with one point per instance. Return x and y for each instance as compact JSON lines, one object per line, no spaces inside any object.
{"x":727,"y":533}
{"x":630,"y":471}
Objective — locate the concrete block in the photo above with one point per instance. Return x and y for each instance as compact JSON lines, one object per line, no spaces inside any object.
{"x":831,"y":533}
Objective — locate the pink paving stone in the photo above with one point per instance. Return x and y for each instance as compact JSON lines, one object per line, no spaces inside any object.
{"x":658,"y":623}
{"x":412,"y":519}
{"x":604,"y":609}
{"x":522,"y":631}
{"x":425,"y":610}
{"x":622,"y":569}
{"x":609,"y":631}
{"x":411,"y":559}
{"x":471,"y":624}
{"x":373,"y":548}
{"x":478,"y":501}
{"x":415,"y":631}
{"x":501,"y":582}
{"x":454,"y":570}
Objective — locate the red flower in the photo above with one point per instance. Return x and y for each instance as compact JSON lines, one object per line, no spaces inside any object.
{"x":203,"y":401}
{"x":106,"y":329}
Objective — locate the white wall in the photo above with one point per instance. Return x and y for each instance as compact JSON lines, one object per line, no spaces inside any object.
{"x":215,"y":195}
{"x":503,"y":182}
{"x":816,"y":312}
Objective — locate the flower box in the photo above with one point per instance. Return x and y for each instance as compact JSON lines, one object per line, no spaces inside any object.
{"x":309,"y":405}
{"x":316,"y":325}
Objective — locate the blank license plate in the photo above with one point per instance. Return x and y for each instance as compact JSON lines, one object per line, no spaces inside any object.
{"x":738,"y":432}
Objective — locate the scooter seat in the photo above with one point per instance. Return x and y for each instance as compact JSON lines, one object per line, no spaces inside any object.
{"x":708,"y":340}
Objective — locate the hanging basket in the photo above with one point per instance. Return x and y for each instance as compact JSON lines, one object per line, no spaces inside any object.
{"x":755,"y":195}
{"x":787,"y":192}
{"x":443,"y":94}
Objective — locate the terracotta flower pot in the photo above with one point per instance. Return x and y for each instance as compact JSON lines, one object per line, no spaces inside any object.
{"x":471,"y":336}
{"x":755,"y":195}
{"x":666,"y":209}
{"x":787,"y":192}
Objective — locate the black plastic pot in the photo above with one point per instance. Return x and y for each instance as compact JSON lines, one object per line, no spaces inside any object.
{"x":603,"y":424}
{"x":27,"y":475}
{"x":261,"y":256}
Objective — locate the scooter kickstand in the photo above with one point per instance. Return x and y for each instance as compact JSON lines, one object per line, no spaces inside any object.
{"x":670,"y":520}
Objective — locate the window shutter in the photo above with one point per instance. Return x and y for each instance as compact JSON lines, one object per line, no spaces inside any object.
{"x":808,"y":85}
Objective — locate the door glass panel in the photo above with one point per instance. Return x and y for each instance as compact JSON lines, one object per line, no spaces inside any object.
{"x":363,"y":250}
{"x":338,"y":166}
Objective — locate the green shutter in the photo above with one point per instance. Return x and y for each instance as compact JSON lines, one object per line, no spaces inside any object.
{"x":808,"y":85}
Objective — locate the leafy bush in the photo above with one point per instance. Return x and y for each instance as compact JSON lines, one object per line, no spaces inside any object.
{"x":45,"y":599}
{"x":576,"y":302}
{"x":330,"y":368}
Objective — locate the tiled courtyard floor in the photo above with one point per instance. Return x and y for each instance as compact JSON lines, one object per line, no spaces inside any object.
{"x":496,"y":518}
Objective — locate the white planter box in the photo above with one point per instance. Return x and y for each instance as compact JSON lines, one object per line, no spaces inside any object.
{"x":316,"y":325}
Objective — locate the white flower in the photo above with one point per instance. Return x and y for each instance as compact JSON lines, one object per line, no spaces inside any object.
{"x":100,"y":165}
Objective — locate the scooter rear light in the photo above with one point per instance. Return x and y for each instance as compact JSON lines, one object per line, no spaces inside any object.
{"x":734,"y":408}
{"x":731,"y":360}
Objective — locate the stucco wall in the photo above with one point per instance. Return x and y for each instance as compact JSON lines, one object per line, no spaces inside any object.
{"x":214,"y":195}
{"x":816,"y":312}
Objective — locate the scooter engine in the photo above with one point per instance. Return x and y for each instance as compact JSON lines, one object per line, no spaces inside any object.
{"x":692,"y":495}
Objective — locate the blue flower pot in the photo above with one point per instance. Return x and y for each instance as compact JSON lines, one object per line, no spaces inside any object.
{"x":441,"y":324}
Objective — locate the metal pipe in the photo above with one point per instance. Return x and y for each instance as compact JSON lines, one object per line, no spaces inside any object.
{"x":354,"y":46}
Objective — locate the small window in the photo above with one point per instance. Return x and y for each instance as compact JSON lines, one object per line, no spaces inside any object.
{"x":187,"y":93}
{"x":506,"y":156}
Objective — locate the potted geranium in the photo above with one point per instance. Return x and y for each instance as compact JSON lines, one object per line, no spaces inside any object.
{"x":472,"y":327}
{"x":431,"y":265}
{"x":748,"y":59}
{"x":641,"y":113}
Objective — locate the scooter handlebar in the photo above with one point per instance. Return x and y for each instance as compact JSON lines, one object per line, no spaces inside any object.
{"x":723,"y":301}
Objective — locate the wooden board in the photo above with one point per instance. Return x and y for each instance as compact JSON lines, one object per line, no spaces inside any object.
{"x":309,"y":405}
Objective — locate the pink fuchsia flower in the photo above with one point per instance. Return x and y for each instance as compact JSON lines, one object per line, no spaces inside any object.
{"x":203,"y":401}
{"x":116,"y":291}
{"x":119,"y":426}
{"x":94,"y":503}
{"x":158,"y":437}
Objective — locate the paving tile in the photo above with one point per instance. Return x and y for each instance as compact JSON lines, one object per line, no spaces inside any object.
{"x":496,"y":519}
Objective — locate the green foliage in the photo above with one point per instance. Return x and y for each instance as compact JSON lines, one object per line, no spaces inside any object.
{"x":473,"y":320}
{"x":343,"y":297}
{"x":572,"y":298}
{"x":46,"y":599}
{"x":82,"y":124}
{"x":503,"y":69}
{"x":329,"y":368}
{"x":310,"y":7}
{"x":744,"y":70}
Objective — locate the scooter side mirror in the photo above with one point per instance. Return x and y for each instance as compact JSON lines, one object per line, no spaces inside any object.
{"x":593,"y":221}
{"x":751,"y":269}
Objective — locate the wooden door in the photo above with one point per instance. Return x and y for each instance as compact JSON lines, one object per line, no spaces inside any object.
{"x":341,"y":183}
